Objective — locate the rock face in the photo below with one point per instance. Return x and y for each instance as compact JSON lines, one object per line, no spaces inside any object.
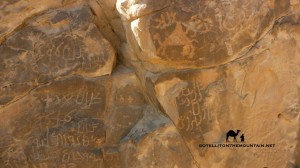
{"x":189,"y":34}
{"x":145,"y":83}
{"x":56,"y":44}
{"x":250,"y":94}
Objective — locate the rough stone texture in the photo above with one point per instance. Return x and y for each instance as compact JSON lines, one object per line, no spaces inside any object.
{"x":163,"y":147}
{"x":69,"y":123}
{"x":108,"y":21}
{"x":57,"y":125}
{"x":56,"y":44}
{"x":185,"y":34}
{"x":13,"y":13}
{"x":258,"y":94}
{"x":141,"y":83}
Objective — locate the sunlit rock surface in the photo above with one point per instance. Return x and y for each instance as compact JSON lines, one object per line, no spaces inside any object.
{"x":143,"y":83}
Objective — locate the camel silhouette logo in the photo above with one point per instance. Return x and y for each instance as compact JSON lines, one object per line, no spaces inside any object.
{"x":233,"y":134}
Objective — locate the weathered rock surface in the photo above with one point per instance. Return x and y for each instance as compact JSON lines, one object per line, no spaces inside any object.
{"x":60,"y":125}
{"x":141,"y":83}
{"x":69,"y":123}
{"x":13,"y":13}
{"x":56,"y":44}
{"x":185,"y":34}
{"x":155,"y":142}
{"x":258,"y":94}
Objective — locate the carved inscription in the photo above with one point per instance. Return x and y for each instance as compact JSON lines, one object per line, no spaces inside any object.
{"x":165,"y":20}
{"x":65,"y":130}
{"x":208,"y":28}
{"x":126,"y":111}
{"x":193,"y":112}
{"x":129,"y":96}
{"x":64,"y":53}
{"x":50,"y":47}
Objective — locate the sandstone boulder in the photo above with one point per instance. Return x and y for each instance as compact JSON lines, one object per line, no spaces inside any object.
{"x":188,"y":34}
{"x":147,"y":83}
{"x":75,"y":122}
{"x":56,"y":44}
{"x":258,"y":94}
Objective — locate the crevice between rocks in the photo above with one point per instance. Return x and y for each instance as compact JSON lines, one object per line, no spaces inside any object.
{"x":115,"y":40}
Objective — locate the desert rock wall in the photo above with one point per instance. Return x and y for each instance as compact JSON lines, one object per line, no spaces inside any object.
{"x":141,"y":83}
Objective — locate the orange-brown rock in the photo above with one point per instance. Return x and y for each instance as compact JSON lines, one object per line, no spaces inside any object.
{"x":258,"y":95}
{"x":149,"y":83}
{"x":56,"y":44}
{"x":185,"y":34}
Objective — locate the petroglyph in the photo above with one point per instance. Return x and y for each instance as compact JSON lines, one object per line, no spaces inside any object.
{"x":40,"y":53}
{"x":193,"y":112}
{"x":203,"y":33}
